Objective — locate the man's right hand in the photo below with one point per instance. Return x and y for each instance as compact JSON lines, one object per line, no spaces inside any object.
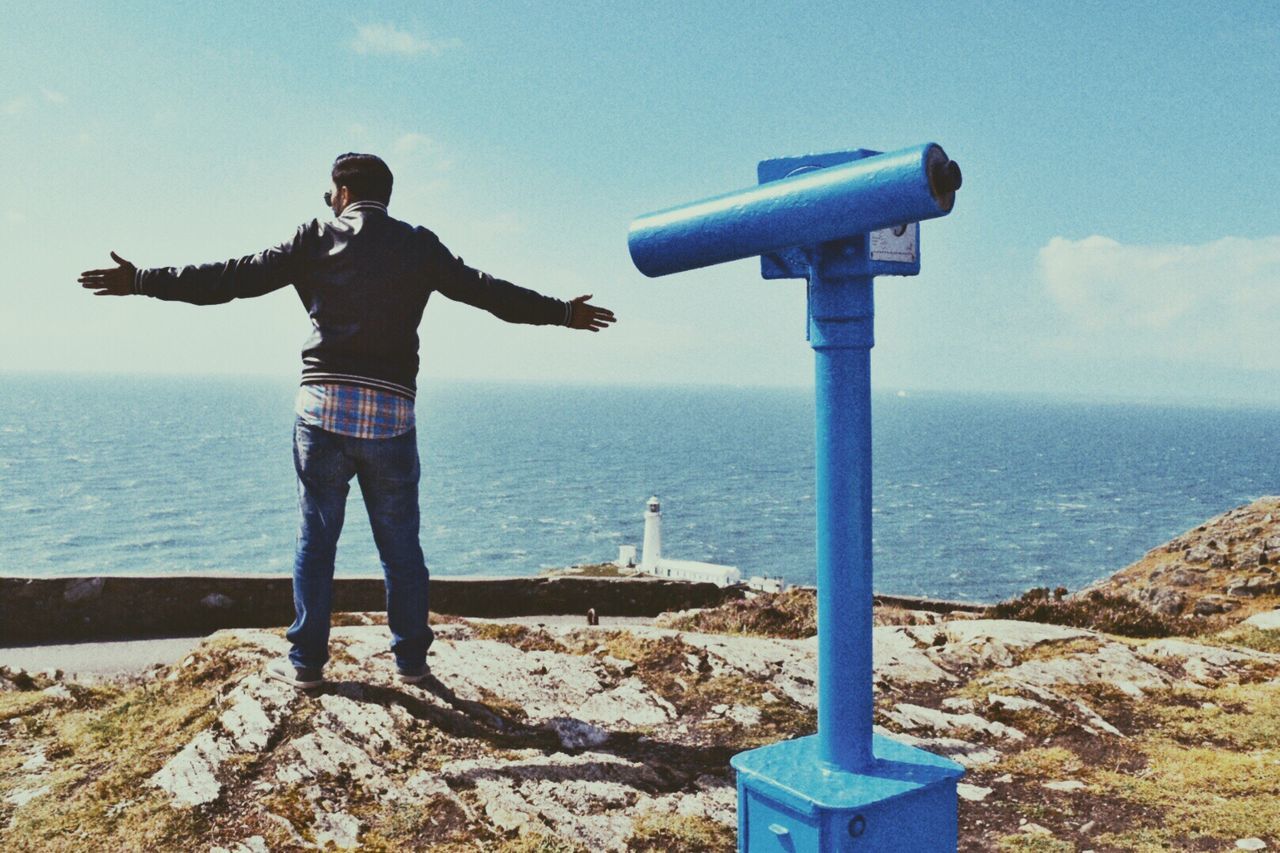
{"x":114,"y":281}
{"x":584,"y":315}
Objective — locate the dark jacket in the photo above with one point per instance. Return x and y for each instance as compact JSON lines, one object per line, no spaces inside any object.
{"x":364,"y":278}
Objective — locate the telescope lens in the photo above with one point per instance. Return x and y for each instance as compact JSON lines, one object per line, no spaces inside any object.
{"x":946,"y":177}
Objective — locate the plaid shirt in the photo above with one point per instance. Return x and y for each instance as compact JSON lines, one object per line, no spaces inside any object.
{"x":355,"y":411}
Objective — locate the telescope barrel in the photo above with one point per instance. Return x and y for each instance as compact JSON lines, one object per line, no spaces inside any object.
{"x":812,"y":207}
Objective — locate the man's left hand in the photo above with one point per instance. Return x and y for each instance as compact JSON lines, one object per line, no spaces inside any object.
{"x":115,"y":281}
{"x":593,"y":318}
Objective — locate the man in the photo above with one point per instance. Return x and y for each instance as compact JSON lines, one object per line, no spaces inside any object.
{"x":364,"y":277}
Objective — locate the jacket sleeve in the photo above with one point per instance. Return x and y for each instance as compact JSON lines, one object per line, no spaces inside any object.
{"x":504,"y":300}
{"x":238,"y":278}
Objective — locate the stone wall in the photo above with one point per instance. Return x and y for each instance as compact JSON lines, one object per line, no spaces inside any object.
{"x":64,"y":609}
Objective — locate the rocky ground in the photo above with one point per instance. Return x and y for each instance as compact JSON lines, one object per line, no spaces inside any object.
{"x":566,"y":737}
{"x":1229,"y":565}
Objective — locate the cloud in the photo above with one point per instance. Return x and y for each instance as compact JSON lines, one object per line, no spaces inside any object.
{"x":15,"y":106}
{"x":1216,"y":303}
{"x":390,"y":40}
{"x":53,"y":96}
{"x":410,"y":142}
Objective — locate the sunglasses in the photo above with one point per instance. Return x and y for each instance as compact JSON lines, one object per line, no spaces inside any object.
{"x":328,"y":198}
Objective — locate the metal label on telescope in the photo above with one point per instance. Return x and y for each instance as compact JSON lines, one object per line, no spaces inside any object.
{"x":899,"y":243}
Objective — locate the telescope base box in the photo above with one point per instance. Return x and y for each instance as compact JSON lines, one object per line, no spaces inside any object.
{"x":789,"y":802}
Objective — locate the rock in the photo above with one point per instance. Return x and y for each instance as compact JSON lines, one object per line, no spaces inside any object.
{"x":1197,"y":554}
{"x":1114,"y":663}
{"x":1010,"y":633}
{"x":1167,"y":601}
{"x":1209,"y":605}
{"x":575,"y":734}
{"x":83,"y":589}
{"x":790,"y":666}
{"x":22,"y":796}
{"x":1267,"y":621}
{"x":1252,"y":586}
{"x":577,"y":797}
{"x":623,"y":666}
{"x":1016,"y":703}
{"x":900,"y":658}
{"x":1086,"y":827}
{"x":631,"y":703}
{"x":1034,"y":829}
{"x":252,"y":844}
{"x":972,"y":793}
{"x":475,"y":667}
{"x":1206,"y":664}
{"x":191,"y":776}
{"x":744,"y":715}
{"x":916,"y":717}
{"x":1065,"y":786}
{"x":1251,"y":844}
{"x":963,"y":704}
{"x":217,"y":601}
{"x":339,"y":829}
{"x":254,"y":710}
{"x":967,"y":754}
{"x":320,"y":753}
{"x":365,"y":723}
{"x":58,"y":692}
{"x":35,"y":763}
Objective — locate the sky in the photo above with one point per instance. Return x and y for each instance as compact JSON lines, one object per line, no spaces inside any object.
{"x":1117,"y":235}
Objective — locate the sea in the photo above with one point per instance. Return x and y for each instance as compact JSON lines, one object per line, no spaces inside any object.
{"x":976,"y":498}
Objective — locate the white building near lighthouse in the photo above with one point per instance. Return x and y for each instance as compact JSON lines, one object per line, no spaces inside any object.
{"x":652,"y":561}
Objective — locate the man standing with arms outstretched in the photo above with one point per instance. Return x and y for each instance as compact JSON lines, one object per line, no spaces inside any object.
{"x":364,"y":277}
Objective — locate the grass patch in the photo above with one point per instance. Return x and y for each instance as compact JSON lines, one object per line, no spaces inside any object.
{"x":1143,"y":840}
{"x":521,"y":636}
{"x":681,"y":833}
{"x":1214,"y":794}
{"x":537,"y":842}
{"x":1241,"y":716}
{"x":1098,"y":611}
{"x":1024,"y":842}
{"x":791,"y":614}
{"x":102,"y":746}
{"x":1047,"y":762}
{"x":1062,"y":649}
{"x":1249,"y":637}
{"x":594,"y":570}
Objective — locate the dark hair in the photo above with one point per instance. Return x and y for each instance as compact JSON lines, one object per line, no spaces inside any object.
{"x":365,"y":175}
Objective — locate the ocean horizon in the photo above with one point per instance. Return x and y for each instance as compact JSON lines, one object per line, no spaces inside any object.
{"x":976,"y":497}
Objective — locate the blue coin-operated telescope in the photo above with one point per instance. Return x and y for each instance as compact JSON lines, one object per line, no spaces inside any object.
{"x":837,"y":220}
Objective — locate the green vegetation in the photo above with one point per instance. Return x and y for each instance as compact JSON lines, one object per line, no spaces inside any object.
{"x":1027,"y":843}
{"x":681,"y":834}
{"x":1098,"y":611}
{"x":521,"y":636}
{"x":101,"y":746}
{"x":594,"y":570}
{"x":789,"y":615}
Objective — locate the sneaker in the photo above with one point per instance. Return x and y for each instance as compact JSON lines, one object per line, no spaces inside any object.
{"x":414,"y":676}
{"x":301,"y":677}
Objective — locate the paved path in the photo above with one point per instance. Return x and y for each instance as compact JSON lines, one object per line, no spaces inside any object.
{"x":98,"y":660}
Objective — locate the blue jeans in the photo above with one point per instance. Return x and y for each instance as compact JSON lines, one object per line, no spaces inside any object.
{"x":387,"y":470}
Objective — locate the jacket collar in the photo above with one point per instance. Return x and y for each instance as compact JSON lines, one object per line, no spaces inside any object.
{"x":364,"y":207}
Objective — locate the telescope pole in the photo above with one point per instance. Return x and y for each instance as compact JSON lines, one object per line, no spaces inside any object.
{"x":841,"y":320}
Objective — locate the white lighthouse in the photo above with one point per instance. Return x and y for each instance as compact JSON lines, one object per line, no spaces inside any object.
{"x":652,"y":552}
{"x":653,"y":563}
